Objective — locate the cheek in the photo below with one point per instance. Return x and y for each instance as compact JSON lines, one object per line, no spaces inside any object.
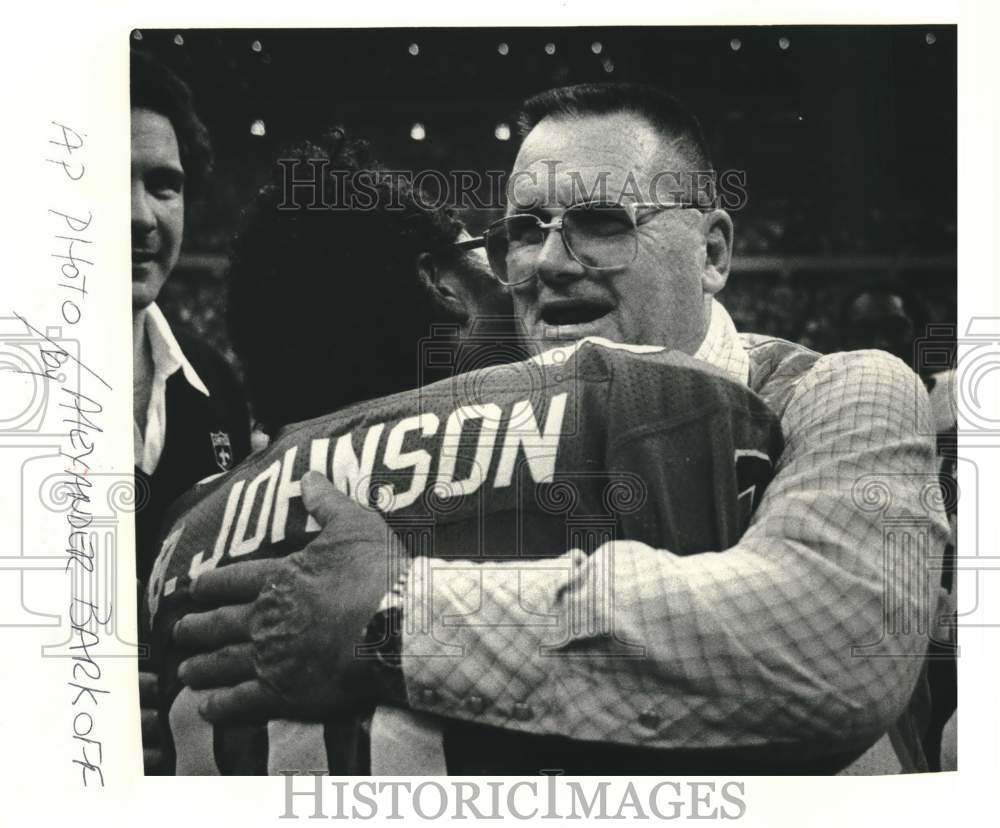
{"x":171,"y":220}
{"x":522,"y":298}
{"x":499,"y":301}
{"x":673,"y":264}
{"x":664,"y":285}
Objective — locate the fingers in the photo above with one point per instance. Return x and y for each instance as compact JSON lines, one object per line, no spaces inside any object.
{"x":225,"y":667}
{"x":234,"y":584}
{"x":319,"y":496}
{"x":249,"y":700}
{"x":202,"y":631}
{"x":149,"y":719}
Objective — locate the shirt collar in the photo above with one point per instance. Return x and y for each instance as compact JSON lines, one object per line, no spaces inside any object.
{"x":166,"y":351}
{"x":722,"y":347}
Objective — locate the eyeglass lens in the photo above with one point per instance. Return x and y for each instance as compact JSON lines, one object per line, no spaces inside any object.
{"x":596,"y":235}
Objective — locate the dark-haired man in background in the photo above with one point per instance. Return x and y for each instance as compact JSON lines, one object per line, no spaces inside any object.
{"x":191,"y":419}
{"x":752,"y":661}
{"x":312,"y":288}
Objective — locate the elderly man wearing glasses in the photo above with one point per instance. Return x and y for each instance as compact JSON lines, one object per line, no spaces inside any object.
{"x":793,"y":651}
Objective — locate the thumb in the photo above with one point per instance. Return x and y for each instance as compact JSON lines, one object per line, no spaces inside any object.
{"x":319,"y":496}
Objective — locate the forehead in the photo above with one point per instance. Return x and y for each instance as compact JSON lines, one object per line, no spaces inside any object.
{"x":154,"y":142}
{"x":565,"y":157}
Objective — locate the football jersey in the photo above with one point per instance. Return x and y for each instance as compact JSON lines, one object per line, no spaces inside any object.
{"x":582,"y":445}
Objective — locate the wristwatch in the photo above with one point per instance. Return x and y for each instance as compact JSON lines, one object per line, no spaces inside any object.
{"x":383,"y":647}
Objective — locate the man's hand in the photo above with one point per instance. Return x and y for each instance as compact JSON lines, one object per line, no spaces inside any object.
{"x":221,"y":636}
{"x":282,"y":646}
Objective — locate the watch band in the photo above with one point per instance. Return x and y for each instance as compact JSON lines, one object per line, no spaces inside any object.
{"x":383,"y":646}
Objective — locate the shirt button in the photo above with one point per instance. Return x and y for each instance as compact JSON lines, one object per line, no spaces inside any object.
{"x":649,"y":719}
{"x":475,"y":704}
{"x":428,"y":696}
{"x":523,"y":712}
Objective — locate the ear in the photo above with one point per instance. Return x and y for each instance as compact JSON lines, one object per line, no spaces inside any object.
{"x":444,"y":287}
{"x":718,"y":251}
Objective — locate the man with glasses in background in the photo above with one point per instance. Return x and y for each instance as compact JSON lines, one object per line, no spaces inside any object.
{"x":781,"y":654}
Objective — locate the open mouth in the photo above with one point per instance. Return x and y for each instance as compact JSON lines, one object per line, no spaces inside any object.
{"x":574,"y":313}
{"x":142,"y":256}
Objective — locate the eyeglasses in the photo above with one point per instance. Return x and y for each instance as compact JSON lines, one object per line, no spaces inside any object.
{"x":599,"y":235}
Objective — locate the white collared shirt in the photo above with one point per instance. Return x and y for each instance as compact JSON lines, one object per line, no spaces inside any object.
{"x":721,"y":347}
{"x":168,"y":358}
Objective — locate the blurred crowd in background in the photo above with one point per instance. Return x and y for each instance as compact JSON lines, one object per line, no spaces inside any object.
{"x":846,"y":137}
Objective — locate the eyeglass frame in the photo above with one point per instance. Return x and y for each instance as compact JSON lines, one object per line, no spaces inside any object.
{"x":630,"y":207}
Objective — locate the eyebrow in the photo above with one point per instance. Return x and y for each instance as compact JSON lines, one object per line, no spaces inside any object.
{"x":174,"y":174}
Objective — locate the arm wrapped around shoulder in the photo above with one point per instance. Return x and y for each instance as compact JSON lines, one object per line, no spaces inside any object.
{"x":807,"y":635}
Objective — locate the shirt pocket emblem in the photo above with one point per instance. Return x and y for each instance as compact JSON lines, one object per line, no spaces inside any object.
{"x":222,"y":449}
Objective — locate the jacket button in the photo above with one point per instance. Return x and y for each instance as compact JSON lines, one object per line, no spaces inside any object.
{"x":428,"y":696}
{"x":649,"y":719}
{"x":475,"y":704}
{"x":523,"y":712}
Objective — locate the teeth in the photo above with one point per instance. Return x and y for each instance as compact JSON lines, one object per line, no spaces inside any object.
{"x":573,"y":316}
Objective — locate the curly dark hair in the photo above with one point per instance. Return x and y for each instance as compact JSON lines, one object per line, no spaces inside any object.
{"x":157,"y":88}
{"x":325,"y":307}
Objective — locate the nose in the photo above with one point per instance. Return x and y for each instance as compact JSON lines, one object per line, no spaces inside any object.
{"x":555,"y":265}
{"x":143,"y":220}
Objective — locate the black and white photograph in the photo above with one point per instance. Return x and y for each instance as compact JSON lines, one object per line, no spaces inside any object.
{"x":515,"y":401}
{"x":545,"y":411}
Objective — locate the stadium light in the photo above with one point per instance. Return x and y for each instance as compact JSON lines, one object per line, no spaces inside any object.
{"x":930,"y":38}
{"x":256,"y":46}
{"x":735,"y":44}
{"x":503,"y":48}
{"x":257,"y":128}
{"x":417,"y":132}
{"x":414,"y":49}
{"x":178,"y":40}
{"x":784,"y":43}
{"x":502,"y":132}
{"x":596,"y":47}
{"x":609,"y":65}
{"x":550,"y":48}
